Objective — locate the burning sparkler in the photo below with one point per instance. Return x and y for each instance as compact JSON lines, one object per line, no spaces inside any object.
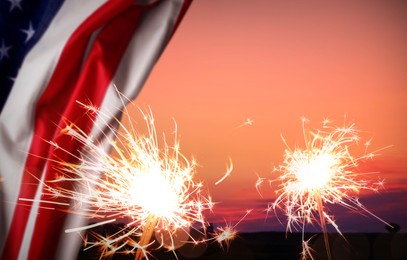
{"x":149,"y":186}
{"x":324,"y":172}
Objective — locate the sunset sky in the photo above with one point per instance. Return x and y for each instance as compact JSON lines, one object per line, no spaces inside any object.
{"x":276,"y":62}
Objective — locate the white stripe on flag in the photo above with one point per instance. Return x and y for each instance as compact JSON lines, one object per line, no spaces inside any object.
{"x":16,"y":119}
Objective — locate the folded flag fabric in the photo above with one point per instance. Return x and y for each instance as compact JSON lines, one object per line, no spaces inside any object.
{"x":54,"y":53}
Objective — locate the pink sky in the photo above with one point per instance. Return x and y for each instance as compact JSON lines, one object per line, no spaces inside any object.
{"x":275,"y":62}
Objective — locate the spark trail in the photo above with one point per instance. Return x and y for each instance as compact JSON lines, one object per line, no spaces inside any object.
{"x":224,"y":235}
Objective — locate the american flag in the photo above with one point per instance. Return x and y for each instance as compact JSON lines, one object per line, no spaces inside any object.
{"x":54,"y":53}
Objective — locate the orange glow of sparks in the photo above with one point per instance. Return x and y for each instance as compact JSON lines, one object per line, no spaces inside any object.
{"x":324,"y":172}
{"x":148,"y":186}
{"x":226,"y":234}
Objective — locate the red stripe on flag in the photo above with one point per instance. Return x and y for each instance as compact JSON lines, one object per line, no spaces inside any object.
{"x":103,"y":60}
{"x":67,"y":85}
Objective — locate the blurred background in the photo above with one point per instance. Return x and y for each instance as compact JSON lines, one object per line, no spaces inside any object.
{"x":238,"y":74}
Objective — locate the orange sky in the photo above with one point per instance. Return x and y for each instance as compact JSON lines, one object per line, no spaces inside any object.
{"x":274,"y":62}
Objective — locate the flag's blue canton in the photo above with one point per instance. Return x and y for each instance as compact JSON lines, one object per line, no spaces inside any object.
{"x":22,"y":23}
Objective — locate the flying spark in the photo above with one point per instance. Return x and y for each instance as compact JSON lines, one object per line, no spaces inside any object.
{"x":226,"y":234}
{"x":248,"y":122}
{"x":323,"y":173}
{"x":228,"y":172}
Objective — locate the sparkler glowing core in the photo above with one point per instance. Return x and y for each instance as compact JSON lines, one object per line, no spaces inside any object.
{"x":314,"y":172}
{"x":324,"y":172}
{"x":162,"y":201}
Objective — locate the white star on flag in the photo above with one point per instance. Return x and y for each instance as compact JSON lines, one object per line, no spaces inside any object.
{"x":29,"y":32}
{"x":14,"y":4}
{"x":4,"y":50}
